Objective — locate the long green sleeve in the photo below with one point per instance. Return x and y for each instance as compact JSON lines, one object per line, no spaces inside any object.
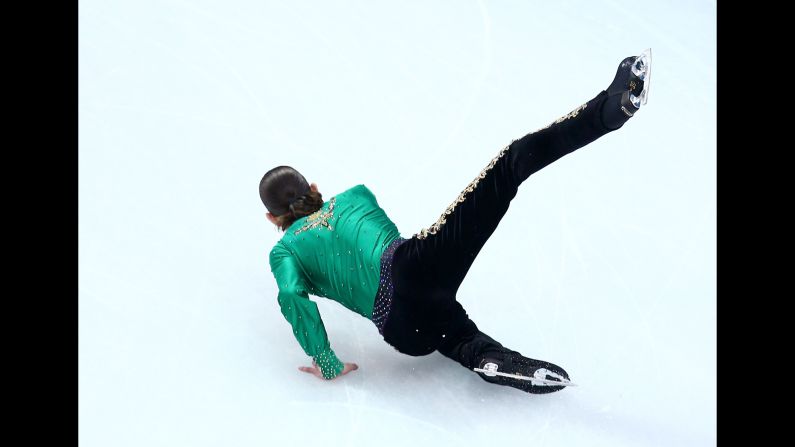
{"x":334,"y":253}
{"x":301,"y":312}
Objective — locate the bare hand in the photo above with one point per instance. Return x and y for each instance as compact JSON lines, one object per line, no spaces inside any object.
{"x":315,"y":370}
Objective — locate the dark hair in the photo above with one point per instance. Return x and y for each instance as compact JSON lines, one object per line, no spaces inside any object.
{"x":287,"y":195}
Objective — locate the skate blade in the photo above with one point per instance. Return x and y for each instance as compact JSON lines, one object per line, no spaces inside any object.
{"x":642,"y":69}
{"x":534,"y":380}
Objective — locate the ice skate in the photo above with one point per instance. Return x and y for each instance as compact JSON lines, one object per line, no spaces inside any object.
{"x":632,"y":81}
{"x":628,"y":91}
{"x":510,"y":368}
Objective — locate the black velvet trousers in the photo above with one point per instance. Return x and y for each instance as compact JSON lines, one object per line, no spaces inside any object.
{"x":428,"y":269}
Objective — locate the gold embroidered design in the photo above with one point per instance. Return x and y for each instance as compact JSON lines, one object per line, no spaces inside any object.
{"x":571,"y":114}
{"x":461,"y":197}
{"x":433,"y":229}
{"x":319,"y":218}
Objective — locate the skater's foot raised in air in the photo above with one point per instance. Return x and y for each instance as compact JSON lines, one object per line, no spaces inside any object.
{"x":628,"y":91}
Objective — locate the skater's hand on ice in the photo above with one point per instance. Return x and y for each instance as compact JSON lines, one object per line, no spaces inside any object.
{"x":315,"y":370}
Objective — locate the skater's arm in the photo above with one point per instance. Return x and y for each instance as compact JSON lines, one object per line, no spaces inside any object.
{"x":302,"y":313}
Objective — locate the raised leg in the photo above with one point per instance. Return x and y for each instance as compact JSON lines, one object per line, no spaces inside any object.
{"x":443,"y":253}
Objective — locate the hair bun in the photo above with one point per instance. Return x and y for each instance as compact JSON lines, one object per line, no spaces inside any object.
{"x":298,"y":201}
{"x":278,"y":187}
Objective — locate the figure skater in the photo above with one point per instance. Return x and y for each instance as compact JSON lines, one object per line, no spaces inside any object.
{"x":347,"y":249}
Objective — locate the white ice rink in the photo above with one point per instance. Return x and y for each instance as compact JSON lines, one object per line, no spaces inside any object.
{"x":604,"y":264}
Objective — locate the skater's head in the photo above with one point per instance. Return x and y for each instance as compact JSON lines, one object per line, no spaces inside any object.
{"x":287,"y":196}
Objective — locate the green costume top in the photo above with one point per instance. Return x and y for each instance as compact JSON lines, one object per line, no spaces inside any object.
{"x":333,"y":253}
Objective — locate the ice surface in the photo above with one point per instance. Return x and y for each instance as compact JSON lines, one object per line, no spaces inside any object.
{"x":604,"y":264}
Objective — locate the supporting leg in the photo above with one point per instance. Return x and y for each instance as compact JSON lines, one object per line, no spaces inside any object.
{"x":472,"y":348}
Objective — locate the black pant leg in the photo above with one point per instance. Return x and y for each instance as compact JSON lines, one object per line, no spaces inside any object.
{"x":429,"y":268}
{"x":446,"y":250}
{"x":464,"y":342}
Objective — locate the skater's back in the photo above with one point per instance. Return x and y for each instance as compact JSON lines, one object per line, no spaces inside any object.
{"x":335,"y":252}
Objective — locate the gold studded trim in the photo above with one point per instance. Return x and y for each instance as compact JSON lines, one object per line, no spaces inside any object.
{"x":461,"y":197}
{"x":319,"y":218}
{"x":433,"y":229}
{"x":569,"y":115}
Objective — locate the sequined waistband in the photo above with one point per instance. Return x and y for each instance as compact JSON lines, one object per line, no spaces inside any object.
{"x":383,"y":297}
